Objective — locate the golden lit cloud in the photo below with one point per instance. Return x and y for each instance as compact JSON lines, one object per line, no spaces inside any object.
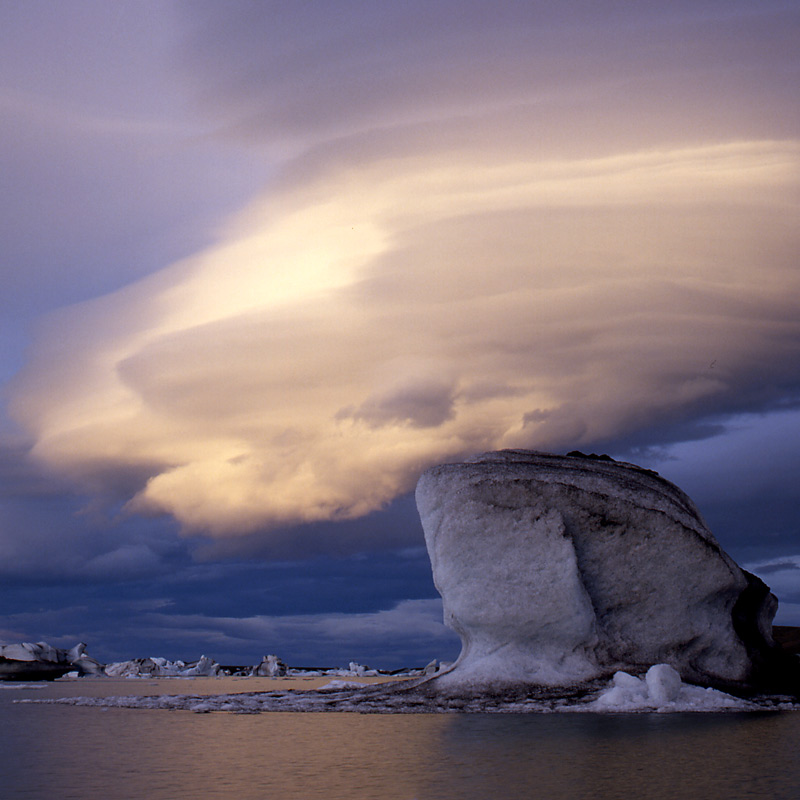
{"x":374,"y":317}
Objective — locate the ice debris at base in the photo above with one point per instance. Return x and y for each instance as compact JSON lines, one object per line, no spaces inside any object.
{"x":661,"y":690}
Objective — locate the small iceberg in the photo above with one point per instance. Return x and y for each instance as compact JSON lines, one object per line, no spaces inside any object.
{"x":162,"y":668}
{"x":661,"y":689}
{"x":40,"y":661}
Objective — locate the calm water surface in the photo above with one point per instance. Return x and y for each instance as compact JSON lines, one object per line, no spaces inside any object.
{"x":70,"y":752}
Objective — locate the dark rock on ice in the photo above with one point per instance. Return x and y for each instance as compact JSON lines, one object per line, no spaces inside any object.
{"x":556,"y":570}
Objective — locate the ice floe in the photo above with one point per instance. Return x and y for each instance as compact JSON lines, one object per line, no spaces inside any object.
{"x":659,"y":690}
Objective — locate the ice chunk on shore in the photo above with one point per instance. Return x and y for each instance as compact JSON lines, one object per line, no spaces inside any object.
{"x":662,"y":690}
{"x":270,"y":667}
{"x":42,"y":661}
{"x":663,"y":683}
{"x":359,"y":670}
{"x":205,"y":667}
{"x":86,"y":665}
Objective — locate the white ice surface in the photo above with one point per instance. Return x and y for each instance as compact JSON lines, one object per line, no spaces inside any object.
{"x":12,"y":685}
{"x":661,"y":689}
{"x":32,"y":651}
{"x":331,"y":685}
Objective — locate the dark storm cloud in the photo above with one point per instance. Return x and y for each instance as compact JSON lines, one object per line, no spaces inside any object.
{"x":412,"y":626}
{"x":47,"y":533}
{"x":317,"y":612}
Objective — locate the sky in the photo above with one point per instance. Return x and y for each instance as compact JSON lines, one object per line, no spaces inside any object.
{"x":264,"y":263}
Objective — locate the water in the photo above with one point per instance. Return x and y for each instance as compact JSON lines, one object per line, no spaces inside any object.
{"x":75,"y":753}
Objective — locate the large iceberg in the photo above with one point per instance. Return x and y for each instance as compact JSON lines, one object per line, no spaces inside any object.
{"x":557,"y":570}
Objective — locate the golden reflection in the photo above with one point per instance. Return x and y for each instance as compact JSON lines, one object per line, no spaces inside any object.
{"x":179,"y":754}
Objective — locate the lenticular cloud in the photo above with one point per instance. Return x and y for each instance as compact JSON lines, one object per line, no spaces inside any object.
{"x":373,"y":317}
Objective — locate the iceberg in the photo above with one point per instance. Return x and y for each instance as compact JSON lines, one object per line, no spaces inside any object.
{"x":270,"y":667}
{"x":576,"y":583}
{"x":154,"y":667}
{"x":41,"y":661}
{"x":559,"y":570}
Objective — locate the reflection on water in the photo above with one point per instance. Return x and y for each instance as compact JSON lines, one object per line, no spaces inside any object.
{"x":72,"y":752}
{"x":616,"y":756}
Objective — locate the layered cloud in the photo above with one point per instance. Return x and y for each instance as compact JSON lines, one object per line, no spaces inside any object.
{"x":576,"y":77}
{"x":527,"y":236}
{"x":355,"y":329}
